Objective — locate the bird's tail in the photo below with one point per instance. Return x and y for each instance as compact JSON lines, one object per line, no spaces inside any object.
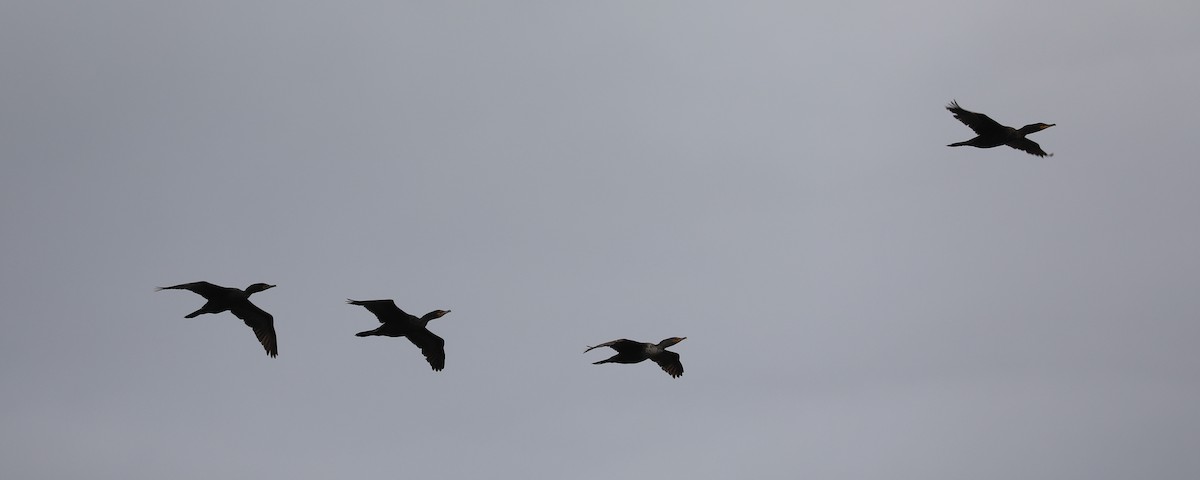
{"x":958,"y":144}
{"x":602,"y":361}
{"x":365,"y":334}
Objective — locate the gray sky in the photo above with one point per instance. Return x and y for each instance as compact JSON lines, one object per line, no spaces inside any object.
{"x":769,"y":179}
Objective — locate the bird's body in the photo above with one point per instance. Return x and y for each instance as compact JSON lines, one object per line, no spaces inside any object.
{"x":236,"y":301}
{"x":629,"y":351}
{"x":990,"y":133}
{"x":397,"y":323}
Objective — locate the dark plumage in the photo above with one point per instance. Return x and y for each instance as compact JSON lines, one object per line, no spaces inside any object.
{"x":237,"y":301}
{"x":629,"y":351}
{"x":990,"y":133}
{"x":397,"y":323}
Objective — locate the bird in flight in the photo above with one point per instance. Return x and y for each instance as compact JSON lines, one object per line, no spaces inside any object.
{"x":990,"y":133}
{"x":397,"y":323}
{"x":237,"y":301}
{"x":629,"y":351}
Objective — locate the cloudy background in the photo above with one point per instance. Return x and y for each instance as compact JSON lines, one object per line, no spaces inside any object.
{"x":769,"y":179}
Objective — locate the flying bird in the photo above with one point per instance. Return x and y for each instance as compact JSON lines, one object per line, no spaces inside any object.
{"x":397,"y":323}
{"x":237,"y":301}
{"x":990,"y":133}
{"x":629,"y":351}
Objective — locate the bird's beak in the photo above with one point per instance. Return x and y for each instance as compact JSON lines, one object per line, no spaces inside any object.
{"x":270,"y":286}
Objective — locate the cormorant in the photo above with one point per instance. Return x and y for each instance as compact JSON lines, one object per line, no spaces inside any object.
{"x":236,"y":301}
{"x":992,"y":134}
{"x":629,"y":351}
{"x":397,"y":323}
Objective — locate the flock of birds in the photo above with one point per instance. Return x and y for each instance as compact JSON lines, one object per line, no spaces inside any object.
{"x":395,"y":322}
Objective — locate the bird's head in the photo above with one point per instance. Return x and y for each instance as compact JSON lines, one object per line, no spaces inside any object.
{"x":435,"y":314}
{"x":1035,"y":127}
{"x":671,"y":341}
{"x":258,"y":287}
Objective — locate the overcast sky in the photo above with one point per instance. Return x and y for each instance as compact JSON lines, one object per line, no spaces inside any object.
{"x":769,"y":179}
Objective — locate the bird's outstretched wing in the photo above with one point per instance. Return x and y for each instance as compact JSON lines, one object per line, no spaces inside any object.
{"x":432,"y":346}
{"x":1030,"y":147}
{"x":384,"y":310}
{"x":980,"y":123}
{"x":669,"y":361}
{"x":261,"y":322}
{"x":617,"y":345}
{"x":204,"y":289}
